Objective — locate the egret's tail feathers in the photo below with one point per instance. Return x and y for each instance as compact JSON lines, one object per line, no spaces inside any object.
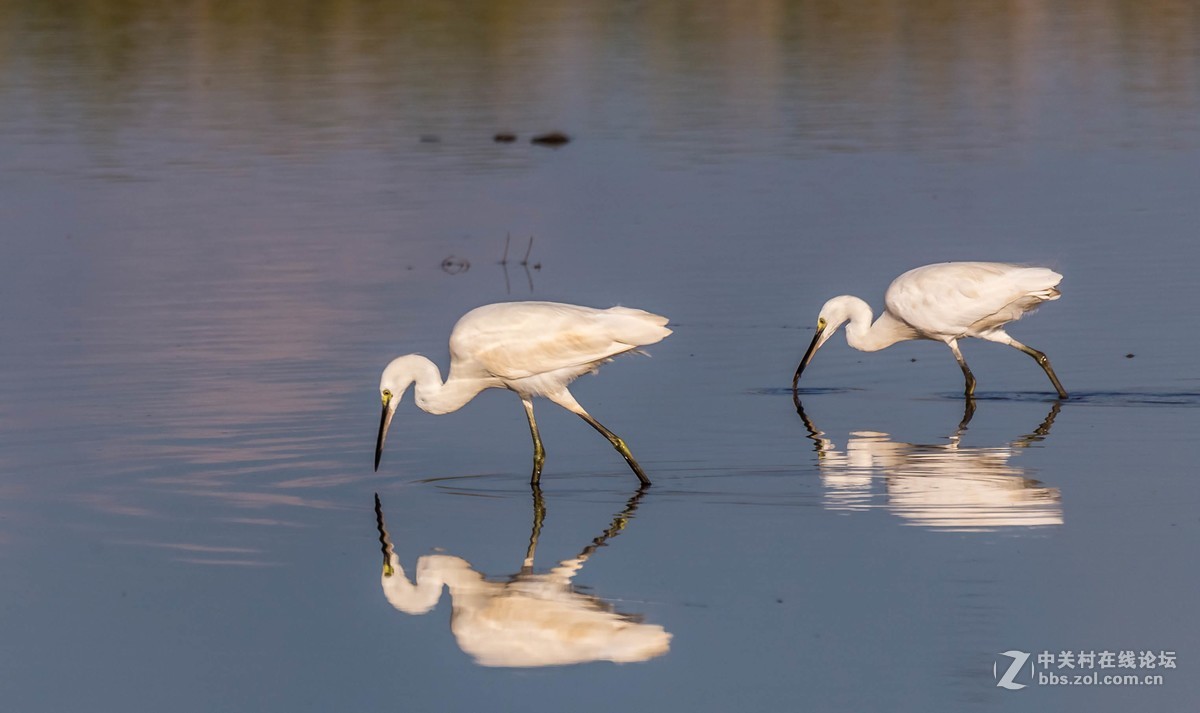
{"x":640,"y":314}
{"x":636,"y":327}
{"x":1039,"y":282}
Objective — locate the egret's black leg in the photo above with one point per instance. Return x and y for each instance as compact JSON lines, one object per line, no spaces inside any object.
{"x":539,"y":453}
{"x":966,"y":370}
{"x":617,"y":443}
{"x":1044,"y":362}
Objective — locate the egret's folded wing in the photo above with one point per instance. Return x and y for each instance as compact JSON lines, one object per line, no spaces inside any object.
{"x":954,"y":298}
{"x":518,"y":340}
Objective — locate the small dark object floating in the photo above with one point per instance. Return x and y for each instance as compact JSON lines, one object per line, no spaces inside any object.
{"x":504,"y":137}
{"x":454,"y":265}
{"x":1129,"y":356}
{"x":554,"y":138}
{"x":430,"y":139}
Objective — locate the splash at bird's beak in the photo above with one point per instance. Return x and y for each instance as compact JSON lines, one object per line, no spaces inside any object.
{"x":816,"y":343}
{"x":385,"y":420}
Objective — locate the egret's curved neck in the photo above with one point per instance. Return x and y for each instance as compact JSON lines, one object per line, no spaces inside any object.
{"x":433,"y":572}
{"x":430,"y":393}
{"x":411,"y":597}
{"x":860,"y":332}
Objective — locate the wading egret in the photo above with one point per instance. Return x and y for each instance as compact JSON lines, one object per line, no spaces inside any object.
{"x":944,"y":302}
{"x":532,"y":348}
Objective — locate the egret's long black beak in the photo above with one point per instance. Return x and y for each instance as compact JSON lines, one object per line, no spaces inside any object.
{"x":385,"y":420}
{"x":808,"y":355}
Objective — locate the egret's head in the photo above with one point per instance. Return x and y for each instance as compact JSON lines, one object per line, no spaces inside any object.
{"x":393,"y":383}
{"x":833,"y":315}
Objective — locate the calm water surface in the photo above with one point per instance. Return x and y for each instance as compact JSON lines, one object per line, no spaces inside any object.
{"x":219,"y":221}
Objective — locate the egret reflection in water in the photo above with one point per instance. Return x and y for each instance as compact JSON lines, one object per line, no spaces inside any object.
{"x":944,"y":486}
{"x":528,"y":619}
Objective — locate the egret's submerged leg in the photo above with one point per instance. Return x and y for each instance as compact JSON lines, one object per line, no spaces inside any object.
{"x":1043,"y":428}
{"x":968,"y":414}
{"x":966,"y":370}
{"x":539,"y":516}
{"x":1044,"y":362}
{"x":620,"y":520}
{"x":617,"y":443}
{"x":539,"y":453}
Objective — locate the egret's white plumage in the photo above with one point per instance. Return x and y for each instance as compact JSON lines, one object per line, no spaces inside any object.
{"x":944,"y":302}
{"x":532,"y":348}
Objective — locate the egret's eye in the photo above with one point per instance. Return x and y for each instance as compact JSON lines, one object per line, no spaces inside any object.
{"x":820,"y":323}
{"x":387,"y":393}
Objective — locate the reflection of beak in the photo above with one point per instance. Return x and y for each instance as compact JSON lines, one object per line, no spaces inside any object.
{"x":385,"y":420}
{"x":388,"y":553}
{"x":384,"y":540}
{"x":808,"y":355}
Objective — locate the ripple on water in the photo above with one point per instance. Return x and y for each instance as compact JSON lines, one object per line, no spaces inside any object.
{"x":1097,"y":398}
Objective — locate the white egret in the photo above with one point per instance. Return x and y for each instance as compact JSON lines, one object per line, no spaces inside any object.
{"x":532,"y":348}
{"x":944,"y":302}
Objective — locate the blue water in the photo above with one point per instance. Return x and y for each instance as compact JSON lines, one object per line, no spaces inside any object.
{"x":220,"y":223}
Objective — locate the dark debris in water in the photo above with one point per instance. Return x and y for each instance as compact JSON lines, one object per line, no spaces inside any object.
{"x":454,"y":265}
{"x":553,"y":139}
